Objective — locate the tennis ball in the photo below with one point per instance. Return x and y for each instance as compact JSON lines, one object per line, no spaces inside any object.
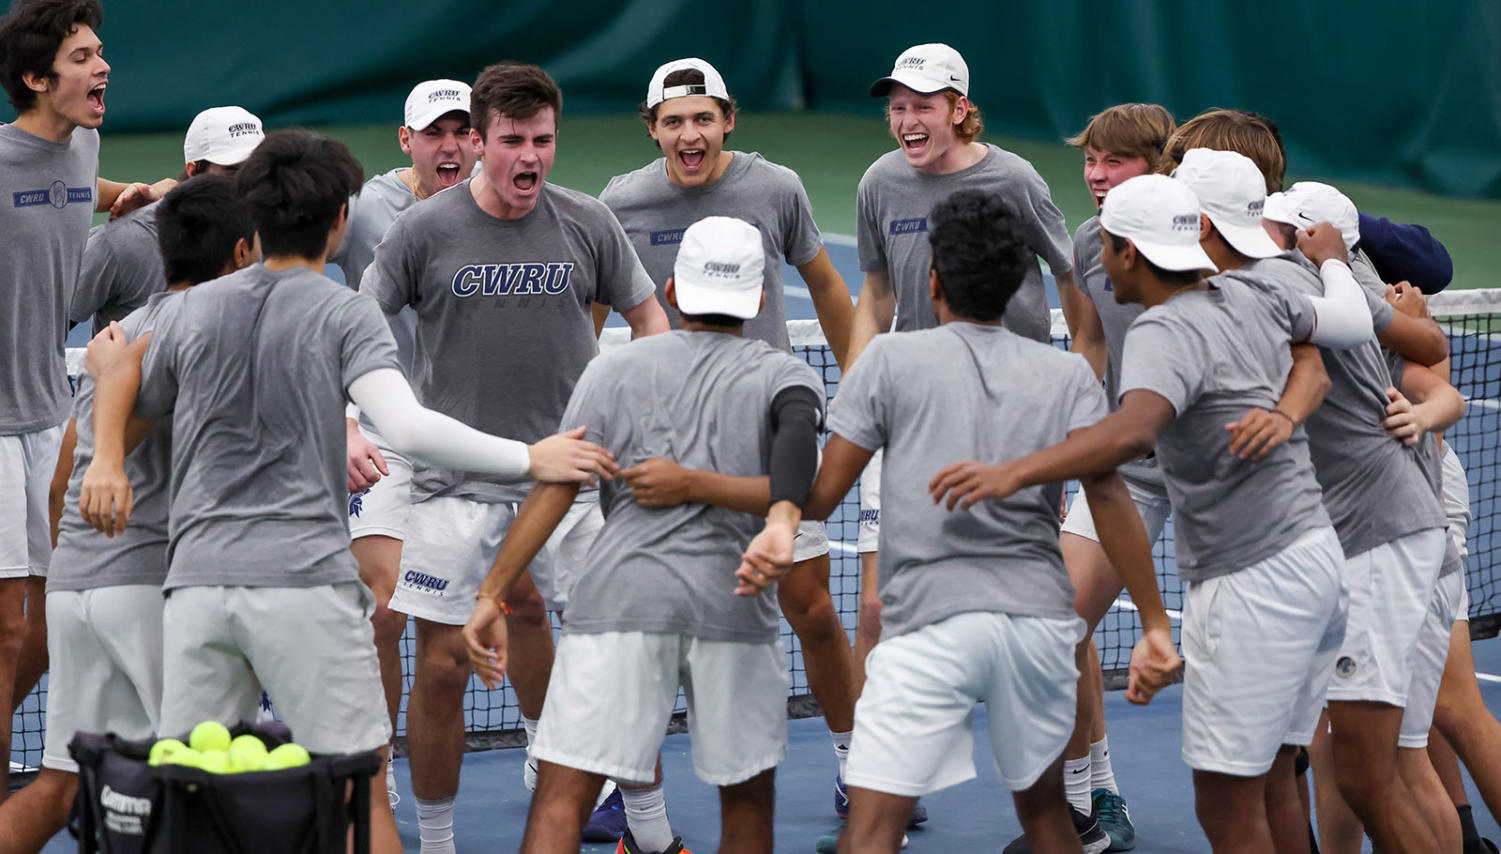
{"x":214,"y":762}
{"x":163,"y":751}
{"x":187,"y":758}
{"x":209,"y":735}
{"x":286,"y":756}
{"x":247,"y":753}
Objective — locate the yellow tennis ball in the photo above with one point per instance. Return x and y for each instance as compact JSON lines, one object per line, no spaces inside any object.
{"x":214,"y":762}
{"x":163,"y":751}
{"x":209,"y":735}
{"x":186,"y":757}
{"x":287,"y":756}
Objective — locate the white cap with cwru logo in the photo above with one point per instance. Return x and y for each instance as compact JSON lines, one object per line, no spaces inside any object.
{"x":1160,"y":216}
{"x":720,"y":267}
{"x":1232,"y":193}
{"x":926,"y":69}
{"x":224,"y":136}
{"x":431,"y":100}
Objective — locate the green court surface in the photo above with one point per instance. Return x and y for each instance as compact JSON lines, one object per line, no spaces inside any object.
{"x":830,"y":151}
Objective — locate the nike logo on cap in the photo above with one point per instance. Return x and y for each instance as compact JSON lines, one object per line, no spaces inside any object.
{"x":954,"y":79}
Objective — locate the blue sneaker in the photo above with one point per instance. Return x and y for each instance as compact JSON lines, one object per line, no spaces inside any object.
{"x":842,"y":805}
{"x":1114,"y":818}
{"x":607,"y":822}
{"x":829,"y":843}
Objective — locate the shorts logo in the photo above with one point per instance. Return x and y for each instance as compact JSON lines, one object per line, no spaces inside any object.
{"x":59,"y":196}
{"x":426,"y":583}
{"x":872,"y":516}
{"x":490,"y":280}
{"x":909,"y":226}
{"x":357,"y":503}
{"x":1345,"y":667}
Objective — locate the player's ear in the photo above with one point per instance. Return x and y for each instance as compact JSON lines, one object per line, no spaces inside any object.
{"x":671,"y":292}
{"x":1206,"y":227}
{"x":762,"y":304}
{"x":246,"y":253}
{"x":404,"y":137}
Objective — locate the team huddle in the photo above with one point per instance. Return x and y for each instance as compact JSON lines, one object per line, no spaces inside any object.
{"x":264,"y":474}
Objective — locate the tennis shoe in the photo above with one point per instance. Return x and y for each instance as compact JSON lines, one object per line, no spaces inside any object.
{"x":1115,"y":819}
{"x":628,"y":846}
{"x":829,"y":843}
{"x":1091,"y":836}
{"x":391,"y":793}
{"x":842,"y":805}
{"x":607,"y":822}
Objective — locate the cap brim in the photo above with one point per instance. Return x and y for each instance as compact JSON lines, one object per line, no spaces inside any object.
{"x":1252,"y":242}
{"x":921,"y":85}
{"x":1175,"y":257}
{"x":697,"y":299}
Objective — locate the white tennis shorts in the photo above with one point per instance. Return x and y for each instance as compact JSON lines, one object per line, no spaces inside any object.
{"x":811,"y":541}
{"x":105,"y":651}
{"x":1391,"y":587}
{"x":27,"y":462}
{"x":913,"y":723}
{"x":312,"y":649}
{"x":1151,"y":504}
{"x":869,"y":537}
{"x":384,"y":509}
{"x":1456,"y":496}
{"x":1258,"y":645}
{"x":451,"y":545}
{"x":611,"y":695}
{"x":1431,"y":652}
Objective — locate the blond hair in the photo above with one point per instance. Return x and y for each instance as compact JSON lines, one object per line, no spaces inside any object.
{"x":1128,"y":130}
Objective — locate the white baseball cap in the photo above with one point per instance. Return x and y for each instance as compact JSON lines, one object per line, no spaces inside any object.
{"x":926,"y":69}
{"x":433,"y":99}
{"x":1308,"y":202}
{"x":1232,"y":193}
{"x":1160,"y":216}
{"x":720,"y":267}
{"x":224,"y":136}
{"x":713,"y":85}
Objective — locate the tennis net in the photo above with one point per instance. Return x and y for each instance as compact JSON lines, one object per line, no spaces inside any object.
{"x":1471,"y":318}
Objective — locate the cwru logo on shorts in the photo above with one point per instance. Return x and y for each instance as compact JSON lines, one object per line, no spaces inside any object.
{"x":424,"y":582}
{"x":357,"y":503}
{"x":521,"y":279}
{"x":1345,"y":667}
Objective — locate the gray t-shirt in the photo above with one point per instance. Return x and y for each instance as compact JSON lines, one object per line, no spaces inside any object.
{"x":86,"y":559}
{"x":122,"y":267}
{"x":1430,"y":460}
{"x":1214,"y":355}
{"x":255,"y":369}
{"x":965,"y":392}
{"x":655,"y":212}
{"x":702,"y":399}
{"x":47,"y":199}
{"x":371,"y":213}
{"x":1115,"y":318}
{"x":1359,"y":465}
{"x":893,"y":204}
{"x":504,"y":318}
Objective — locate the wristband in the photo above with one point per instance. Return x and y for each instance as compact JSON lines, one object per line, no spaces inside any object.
{"x":499,"y":603}
{"x":1289,"y":418}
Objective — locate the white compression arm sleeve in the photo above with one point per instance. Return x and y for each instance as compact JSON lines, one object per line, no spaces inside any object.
{"x":386,"y":398}
{"x":1343,"y":315}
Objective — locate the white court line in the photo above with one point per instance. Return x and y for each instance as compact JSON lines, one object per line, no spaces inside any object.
{"x":1487,"y":677}
{"x":1128,"y":605}
{"x":795,"y":291}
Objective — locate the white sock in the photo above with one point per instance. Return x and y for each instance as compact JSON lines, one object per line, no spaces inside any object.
{"x":1076,"y":780}
{"x":435,"y":825}
{"x":841,"y":749}
{"x":1101,"y":775}
{"x":531,"y":730}
{"x":646,"y":816}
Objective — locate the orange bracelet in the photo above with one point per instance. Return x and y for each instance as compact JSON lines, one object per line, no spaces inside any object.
{"x":499,"y":602}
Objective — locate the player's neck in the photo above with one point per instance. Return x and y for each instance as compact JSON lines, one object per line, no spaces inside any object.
{"x":958,"y":158}
{"x":179,"y":286}
{"x":1156,"y":292}
{"x":695,"y":326}
{"x":42,"y":121}
{"x":1224,"y":256}
{"x":279,"y":263}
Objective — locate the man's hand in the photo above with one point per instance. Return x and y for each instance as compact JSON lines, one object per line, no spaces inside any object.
{"x":567,"y":458}
{"x":104,"y":349}
{"x":766,"y":560}
{"x":105,"y":499}
{"x":367,"y":465}
{"x":485,"y":640}
{"x":968,"y":482}
{"x":1404,"y":422}
{"x":1321,"y":242}
{"x":1258,"y":432}
{"x":136,"y":195}
{"x":1154,"y":662}
{"x":1407,"y":299}
{"x":659,"y":483}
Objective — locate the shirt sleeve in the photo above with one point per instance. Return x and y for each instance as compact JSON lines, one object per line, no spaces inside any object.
{"x":869,"y":240}
{"x":859,"y":412}
{"x":392,"y":278}
{"x":365,"y":341}
{"x":1381,"y":312}
{"x":622,"y":283}
{"x":800,"y":234}
{"x":1089,"y":404}
{"x":1078,"y":260}
{"x":91,"y":289}
{"x":588,"y":404}
{"x":1042,"y":223}
{"x":158,"y":394}
{"x":793,"y":372}
{"x":1160,"y":359}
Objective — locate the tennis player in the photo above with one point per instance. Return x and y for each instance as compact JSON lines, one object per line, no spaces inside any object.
{"x":657,"y":607}
{"x":435,"y":134}
{"x":689,"y":115}
{"x":503,"y":270}
{"x":105,"y":594}
{"x":252,"y":370}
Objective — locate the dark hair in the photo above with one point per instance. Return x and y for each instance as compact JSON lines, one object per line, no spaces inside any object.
{"x":978,"y":253}
{"x":513,"y":90}
{"x":686,"y":77}
{"x":1172,"y":277}
{"x":723,"y":321}
{"x":294,"y":185}
{"x":30,"y":37}
{"x":198,"y":225}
